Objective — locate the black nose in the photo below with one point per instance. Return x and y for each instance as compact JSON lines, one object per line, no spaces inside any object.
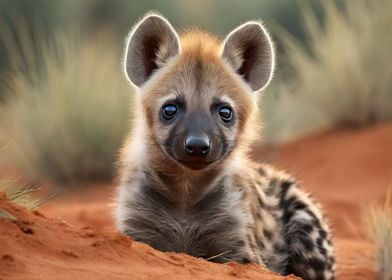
{"x":197,"y":145}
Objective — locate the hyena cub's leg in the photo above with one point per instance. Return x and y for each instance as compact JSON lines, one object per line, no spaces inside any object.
{"x":310,"y":252}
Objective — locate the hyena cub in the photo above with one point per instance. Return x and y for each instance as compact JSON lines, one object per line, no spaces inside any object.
{"x":187,"y":183}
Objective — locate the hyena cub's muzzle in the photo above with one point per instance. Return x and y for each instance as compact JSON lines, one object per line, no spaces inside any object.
{"x":194,"y":144}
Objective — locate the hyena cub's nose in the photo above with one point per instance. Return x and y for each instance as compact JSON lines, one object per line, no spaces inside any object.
{"x":197,"y":145}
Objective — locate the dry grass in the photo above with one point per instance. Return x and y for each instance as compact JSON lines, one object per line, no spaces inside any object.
{"x":378,"y":220}
{"x":341,"y":77}
{"x":5,"y":215}
{"x":22,"y":195}
{"x":67,"y":105}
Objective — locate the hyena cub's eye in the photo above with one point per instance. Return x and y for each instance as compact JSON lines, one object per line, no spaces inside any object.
{"x":225,"y":113}
{"x":169,"y":111}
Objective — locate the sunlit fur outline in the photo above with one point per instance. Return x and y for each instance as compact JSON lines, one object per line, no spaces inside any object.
{"x":133,"y":30}
{"x":271,"y":43}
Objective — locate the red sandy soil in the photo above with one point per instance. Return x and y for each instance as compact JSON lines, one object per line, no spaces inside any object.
{"x":36,"y":247}
{"x":343,"y":169}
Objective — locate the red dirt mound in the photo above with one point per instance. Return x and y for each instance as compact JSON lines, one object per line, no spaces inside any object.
{"x":36,"y":247}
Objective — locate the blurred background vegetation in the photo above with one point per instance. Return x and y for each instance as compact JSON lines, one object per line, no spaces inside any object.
{"x":65,"y":105}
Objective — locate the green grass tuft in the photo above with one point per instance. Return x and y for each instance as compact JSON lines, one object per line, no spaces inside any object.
{"x":67,"y":105}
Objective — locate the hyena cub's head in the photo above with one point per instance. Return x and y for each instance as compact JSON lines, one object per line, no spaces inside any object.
{"x":197,"y":94}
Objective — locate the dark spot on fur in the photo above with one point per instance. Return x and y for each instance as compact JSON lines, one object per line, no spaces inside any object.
{"x":286,"y":185}
{"x":287,"y":203}
{"x":306,"y":242}
{"x":331,"y":261}
{"x":307,"y":228}
{"x":270,"y":190}
{"x":293,"y":203}
{"x":262,"y":171}
{"x":315,"y":220}
{"x":268,"y":234}
{"x":284,"y":188}
{"x":319,"y":242}
{"x":316,"y":263}
{"x":287,"y":215}
{"x":323,"y":233}
{"x":323,"y":251}
{"x":298,"y":205}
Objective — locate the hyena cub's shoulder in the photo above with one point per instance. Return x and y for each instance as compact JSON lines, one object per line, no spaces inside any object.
{"x":187,"y":183}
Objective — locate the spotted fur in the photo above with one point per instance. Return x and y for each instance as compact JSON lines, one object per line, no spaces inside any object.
{"x":232,"y":209}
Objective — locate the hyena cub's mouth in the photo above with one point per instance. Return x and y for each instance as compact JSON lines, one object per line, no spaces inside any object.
{"x":195,"y":164}
{"x":195,"y":151}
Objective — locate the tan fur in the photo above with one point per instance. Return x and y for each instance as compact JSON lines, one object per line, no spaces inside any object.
{"x":197,"y":47}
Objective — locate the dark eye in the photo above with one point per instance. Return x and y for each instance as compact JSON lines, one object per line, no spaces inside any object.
{"x":169,"y":111}
{"x":225,"y":113}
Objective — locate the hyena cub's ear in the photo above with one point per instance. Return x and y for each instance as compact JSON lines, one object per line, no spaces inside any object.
{"x":249,"y":51}
{"x":150,"y":44}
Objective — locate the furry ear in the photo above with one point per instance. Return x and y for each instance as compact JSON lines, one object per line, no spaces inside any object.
{"x":249,"y":51}
{"x":149,"y":46}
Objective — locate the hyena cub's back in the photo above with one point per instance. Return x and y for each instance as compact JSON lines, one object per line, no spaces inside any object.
{"x":293,"y":228}
{"x":187,"y":184}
